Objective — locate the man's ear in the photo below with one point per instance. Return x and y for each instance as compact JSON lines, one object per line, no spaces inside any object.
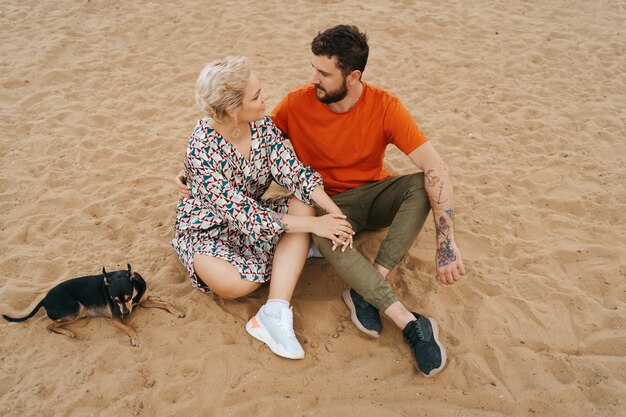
{"x":354,"y":77}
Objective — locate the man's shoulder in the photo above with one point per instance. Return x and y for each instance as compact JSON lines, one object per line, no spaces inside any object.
{"x":304,"y":92}
{"x":379,"y":94}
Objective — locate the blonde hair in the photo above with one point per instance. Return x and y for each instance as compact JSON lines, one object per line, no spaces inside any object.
{"x":220,"y":86}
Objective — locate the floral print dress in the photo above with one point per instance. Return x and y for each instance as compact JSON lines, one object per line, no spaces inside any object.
{"x":225,"y":216}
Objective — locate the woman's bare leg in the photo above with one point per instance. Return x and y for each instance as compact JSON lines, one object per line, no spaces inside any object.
{"x":273,"y":323}
{"x":290,"y":256}
{"x":221,"y":277}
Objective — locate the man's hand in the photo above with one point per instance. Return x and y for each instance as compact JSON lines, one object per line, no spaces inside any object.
{"x":181,"y":184}
{"x":448,"y":261}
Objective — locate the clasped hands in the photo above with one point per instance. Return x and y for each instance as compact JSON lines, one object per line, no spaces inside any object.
{"x":335,"y":227}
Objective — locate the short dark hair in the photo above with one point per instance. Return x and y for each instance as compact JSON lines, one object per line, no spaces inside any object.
{"x":346,"y":43}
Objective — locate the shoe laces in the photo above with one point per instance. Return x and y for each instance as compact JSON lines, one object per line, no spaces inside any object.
{"x":417,"y":333}
{"x":286,"y":321}
{"x":414,"y":337}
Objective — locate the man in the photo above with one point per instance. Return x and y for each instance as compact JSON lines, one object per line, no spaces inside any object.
{"x":340,"y":126}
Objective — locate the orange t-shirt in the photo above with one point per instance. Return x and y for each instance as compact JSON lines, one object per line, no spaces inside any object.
{"x":347,"y":149}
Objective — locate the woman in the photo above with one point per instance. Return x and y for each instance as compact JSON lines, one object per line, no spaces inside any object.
{"x":228,"y":238}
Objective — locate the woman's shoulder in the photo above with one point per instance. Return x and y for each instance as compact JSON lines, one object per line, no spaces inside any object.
{"x":266,"y":121}
{"x":266,"y":126}
{"x":202,"y":131}
{"x":202,"y":137}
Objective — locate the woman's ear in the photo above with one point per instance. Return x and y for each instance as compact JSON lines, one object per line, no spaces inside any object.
{"x":233,"y":113}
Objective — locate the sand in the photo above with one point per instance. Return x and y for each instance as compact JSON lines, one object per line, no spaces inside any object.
{"x":524,"y":100}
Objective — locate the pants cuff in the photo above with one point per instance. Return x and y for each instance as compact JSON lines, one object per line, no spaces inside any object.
{"x":384,"y":300}
{"x":386,"y":262}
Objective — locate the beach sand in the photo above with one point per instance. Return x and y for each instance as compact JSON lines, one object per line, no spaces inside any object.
{"x":524,"y":100}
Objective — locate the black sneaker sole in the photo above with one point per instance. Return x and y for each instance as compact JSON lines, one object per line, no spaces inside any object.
{"x":435,"y":371}
{"x":355,"y":320}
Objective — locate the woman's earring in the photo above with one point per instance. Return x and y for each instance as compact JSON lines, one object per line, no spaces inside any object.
{"x":236,"y":132}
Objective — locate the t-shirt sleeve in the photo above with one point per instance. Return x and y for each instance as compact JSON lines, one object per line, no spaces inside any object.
{"x":280,"y":116}
{"x":400,"y":128}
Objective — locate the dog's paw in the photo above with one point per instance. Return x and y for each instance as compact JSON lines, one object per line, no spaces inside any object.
{"x":175,"y":312}
{"x":135,"y":342}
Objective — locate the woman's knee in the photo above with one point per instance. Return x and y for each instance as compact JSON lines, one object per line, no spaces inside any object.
{"x":233,"y":288}
{"x":222,"y":277}
{"x":233,"y":293}
{"x":298,"y":208}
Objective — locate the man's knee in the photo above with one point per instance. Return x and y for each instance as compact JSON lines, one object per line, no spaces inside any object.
{"x":325,"y":246}
{"x":415,"y":182}
{"x":321,"y":242}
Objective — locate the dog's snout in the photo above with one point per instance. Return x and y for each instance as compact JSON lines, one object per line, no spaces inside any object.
{"x":124,"y":309}
{"x":128,"y":307}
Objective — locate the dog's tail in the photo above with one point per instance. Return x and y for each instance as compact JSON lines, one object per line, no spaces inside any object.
{"x":26,"y":317}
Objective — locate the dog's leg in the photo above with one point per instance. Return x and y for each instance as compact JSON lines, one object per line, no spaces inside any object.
{"x":134,"y":337}
{"x":56,"y":325}
{"x":150,"y":303}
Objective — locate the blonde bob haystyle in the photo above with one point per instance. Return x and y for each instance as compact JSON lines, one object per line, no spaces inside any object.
{"x":221,"y":85}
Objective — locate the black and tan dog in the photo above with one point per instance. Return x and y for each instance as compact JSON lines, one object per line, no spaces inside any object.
{"x":110,"y":294}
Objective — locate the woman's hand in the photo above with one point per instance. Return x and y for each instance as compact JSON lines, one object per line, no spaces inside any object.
{"x":335,"y":227}
{"x":181,"y":184}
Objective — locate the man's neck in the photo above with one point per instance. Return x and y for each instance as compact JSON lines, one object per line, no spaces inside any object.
{"x":349,"y":100}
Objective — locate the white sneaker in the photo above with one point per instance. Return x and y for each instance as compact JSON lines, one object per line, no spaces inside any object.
{"x":275,"y":333}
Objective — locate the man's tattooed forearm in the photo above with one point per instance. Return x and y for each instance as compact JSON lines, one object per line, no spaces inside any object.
{"x":450,"y":213}
{"x":431,"y":179}
{"x":442,"y":226}
{"x":439,"y":200}
{"x":445,"y":254}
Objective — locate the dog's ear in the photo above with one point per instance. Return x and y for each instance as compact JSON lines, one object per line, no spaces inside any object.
{"x":129,"y":268}
{"x":106,"y":277}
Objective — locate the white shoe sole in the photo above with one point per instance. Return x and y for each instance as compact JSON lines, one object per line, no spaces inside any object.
{"x":435,"y":371}
{"x":355,"y":320}
{"x":256,"y":330}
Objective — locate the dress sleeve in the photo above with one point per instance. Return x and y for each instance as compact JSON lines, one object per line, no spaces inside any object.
{"x":214,"y":192}
{"x":288,"y":171}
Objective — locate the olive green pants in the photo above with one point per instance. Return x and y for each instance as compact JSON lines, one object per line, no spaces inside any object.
{"x":399,"y":203}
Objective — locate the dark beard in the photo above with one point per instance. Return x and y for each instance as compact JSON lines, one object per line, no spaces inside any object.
{"x":334,"y":96}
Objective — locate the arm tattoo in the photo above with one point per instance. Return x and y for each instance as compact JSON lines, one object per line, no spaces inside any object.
{"x":278,"y":218}
{"x":445,"y":254}
{"x":442,"y":227}
{"x":439,"y":200}
{"x":431,"y":179}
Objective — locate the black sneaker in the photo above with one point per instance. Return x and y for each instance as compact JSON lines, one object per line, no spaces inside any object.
{"x":365,"y":316}
{"x":422,"y":335}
